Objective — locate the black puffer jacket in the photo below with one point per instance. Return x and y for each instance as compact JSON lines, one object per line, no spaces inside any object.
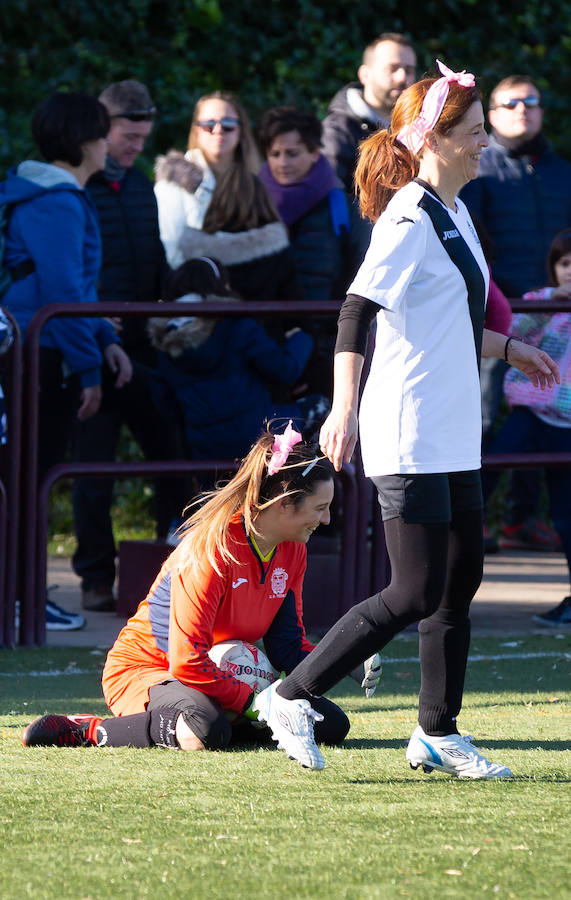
{"x":134,"y":265}
{"x":343,"y":130}
{"x":348,"y":122}
{"x":319,"y":252}
{"x":523,"y":200}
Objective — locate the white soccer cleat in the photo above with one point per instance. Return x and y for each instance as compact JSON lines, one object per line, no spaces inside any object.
{"x":453,"y":754}
{"x":291,"y":724}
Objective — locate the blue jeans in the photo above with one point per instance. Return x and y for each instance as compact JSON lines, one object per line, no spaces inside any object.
{"x":524,"y":432}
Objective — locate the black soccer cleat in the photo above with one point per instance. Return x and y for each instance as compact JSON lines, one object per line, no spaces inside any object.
{"x":58,"y":731}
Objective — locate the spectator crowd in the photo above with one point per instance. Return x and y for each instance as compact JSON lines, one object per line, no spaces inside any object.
{"x":235,"y":216}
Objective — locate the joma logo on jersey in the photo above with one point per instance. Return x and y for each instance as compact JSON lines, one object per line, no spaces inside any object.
{"x":448,"y":235}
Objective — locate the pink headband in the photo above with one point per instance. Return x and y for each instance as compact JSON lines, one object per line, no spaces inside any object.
{"x":412,"y":136}
{"x":282,"y":447}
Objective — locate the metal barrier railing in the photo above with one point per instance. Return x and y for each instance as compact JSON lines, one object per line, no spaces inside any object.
{"x":34,"y":530}
{"x":170,"y":469}
{"x":9,"y":542}
{"x":357,"y":491}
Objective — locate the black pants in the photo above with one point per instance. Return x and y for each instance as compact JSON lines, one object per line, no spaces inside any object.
{"x":97,"y":440}
{"x":211,"y":725}
{"x":436,"y":570}
{"x":58,"y":405}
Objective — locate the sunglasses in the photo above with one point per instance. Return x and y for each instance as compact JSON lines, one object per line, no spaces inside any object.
{"x":228,"y":123}
{"x":137,"y":115}
{"x":528,"y":102}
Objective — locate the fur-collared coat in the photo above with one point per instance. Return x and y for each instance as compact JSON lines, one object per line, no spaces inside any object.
{"x":260,"y":261}
{"x":221,"y":372}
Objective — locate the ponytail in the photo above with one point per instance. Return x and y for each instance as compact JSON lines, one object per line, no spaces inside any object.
{"x":384,"y":166}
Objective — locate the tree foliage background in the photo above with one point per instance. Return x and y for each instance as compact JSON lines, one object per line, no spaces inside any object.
{"x":267,"y":51}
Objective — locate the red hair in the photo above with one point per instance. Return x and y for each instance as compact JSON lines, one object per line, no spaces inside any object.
{"x":385,"y":165}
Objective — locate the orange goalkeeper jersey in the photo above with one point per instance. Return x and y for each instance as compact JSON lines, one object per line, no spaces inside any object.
{"x":186,"y":612}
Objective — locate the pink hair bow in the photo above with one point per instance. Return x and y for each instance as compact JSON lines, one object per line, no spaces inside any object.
{"x":282,"y":447}
{"x":412,"y":136}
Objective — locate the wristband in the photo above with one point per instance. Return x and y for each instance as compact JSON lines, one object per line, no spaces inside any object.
{"x":506,"y":347}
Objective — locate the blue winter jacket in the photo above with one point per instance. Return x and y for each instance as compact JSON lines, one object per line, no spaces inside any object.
{"x":54,"y":223}
{"x":523,"y":202}
{"x":223,"y":385}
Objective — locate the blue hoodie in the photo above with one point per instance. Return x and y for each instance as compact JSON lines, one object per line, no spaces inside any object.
{"x":54,"y":223}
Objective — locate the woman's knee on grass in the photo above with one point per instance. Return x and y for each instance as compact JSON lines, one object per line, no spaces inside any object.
{"x":194,"y":734}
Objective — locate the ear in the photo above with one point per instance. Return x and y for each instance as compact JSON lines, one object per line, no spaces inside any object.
{"x":431,"y":141}
{"x":283,"y":504}
{"x":363,"y":73}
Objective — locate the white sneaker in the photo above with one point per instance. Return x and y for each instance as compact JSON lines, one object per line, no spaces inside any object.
{"x":291,"y":724}
{"x":453,"y":754}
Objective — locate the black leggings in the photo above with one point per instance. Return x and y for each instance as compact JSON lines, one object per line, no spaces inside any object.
{"x":436,"y":570}
{"x":206,"y":719}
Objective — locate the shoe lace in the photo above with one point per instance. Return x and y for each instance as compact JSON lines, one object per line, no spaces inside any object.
{"x":307,"y":716}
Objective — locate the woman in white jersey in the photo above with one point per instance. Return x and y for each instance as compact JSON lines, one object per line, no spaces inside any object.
{"x":425,"y":280}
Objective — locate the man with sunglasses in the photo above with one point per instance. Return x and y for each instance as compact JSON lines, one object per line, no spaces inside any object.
{"x":133,"y":269}
{"x":522,"y":196}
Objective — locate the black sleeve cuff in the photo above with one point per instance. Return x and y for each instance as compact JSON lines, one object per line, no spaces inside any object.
{"x":354,"y":323}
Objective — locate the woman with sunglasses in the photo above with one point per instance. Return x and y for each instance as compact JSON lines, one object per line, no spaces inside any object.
{"x":211,"y":203}
{"x":424,"y":280}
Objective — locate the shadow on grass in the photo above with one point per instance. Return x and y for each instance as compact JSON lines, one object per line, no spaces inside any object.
{"x":399,"y":744}
{"x":434,"y":778}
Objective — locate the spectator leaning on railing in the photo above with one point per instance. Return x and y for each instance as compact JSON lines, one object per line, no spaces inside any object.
{"x":53,"y":251}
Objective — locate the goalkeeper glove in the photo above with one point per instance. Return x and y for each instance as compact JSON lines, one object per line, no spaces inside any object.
{"x":373,"y":669}
{"x":249,"y":712}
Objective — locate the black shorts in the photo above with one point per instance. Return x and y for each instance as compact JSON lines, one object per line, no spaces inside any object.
{"x":212,"y":725}
{"x":423,"y":499}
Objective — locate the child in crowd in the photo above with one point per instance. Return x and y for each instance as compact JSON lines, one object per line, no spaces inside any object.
{"x":540,"y":421}
{"x":220,"y":370}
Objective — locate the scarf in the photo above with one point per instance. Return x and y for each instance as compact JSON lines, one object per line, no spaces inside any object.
{"x":113,"y":172}
{"x":293,"y":201}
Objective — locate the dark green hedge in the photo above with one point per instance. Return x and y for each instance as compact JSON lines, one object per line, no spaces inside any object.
{"x":268,"y":51}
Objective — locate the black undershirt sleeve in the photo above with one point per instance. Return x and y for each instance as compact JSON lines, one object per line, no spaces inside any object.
{"x":354,"y":324}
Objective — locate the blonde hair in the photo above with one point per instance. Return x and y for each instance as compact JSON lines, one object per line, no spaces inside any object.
{"x":239,"y":201}
{"x":385,"y":165}
{"x":250,"y":491}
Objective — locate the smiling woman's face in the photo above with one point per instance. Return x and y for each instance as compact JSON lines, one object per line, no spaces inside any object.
{"x":460,"y":150}
{"x":297,"y":523}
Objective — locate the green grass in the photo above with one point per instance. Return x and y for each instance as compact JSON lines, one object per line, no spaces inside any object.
{"x":249,"y":823}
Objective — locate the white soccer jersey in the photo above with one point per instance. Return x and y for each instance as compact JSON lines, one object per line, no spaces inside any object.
{"x":421,"y":408}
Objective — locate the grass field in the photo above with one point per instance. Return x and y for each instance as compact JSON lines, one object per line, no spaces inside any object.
{"x":249,"y":823}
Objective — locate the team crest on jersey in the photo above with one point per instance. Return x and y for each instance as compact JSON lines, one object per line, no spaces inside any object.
{"x":279,"y":581}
